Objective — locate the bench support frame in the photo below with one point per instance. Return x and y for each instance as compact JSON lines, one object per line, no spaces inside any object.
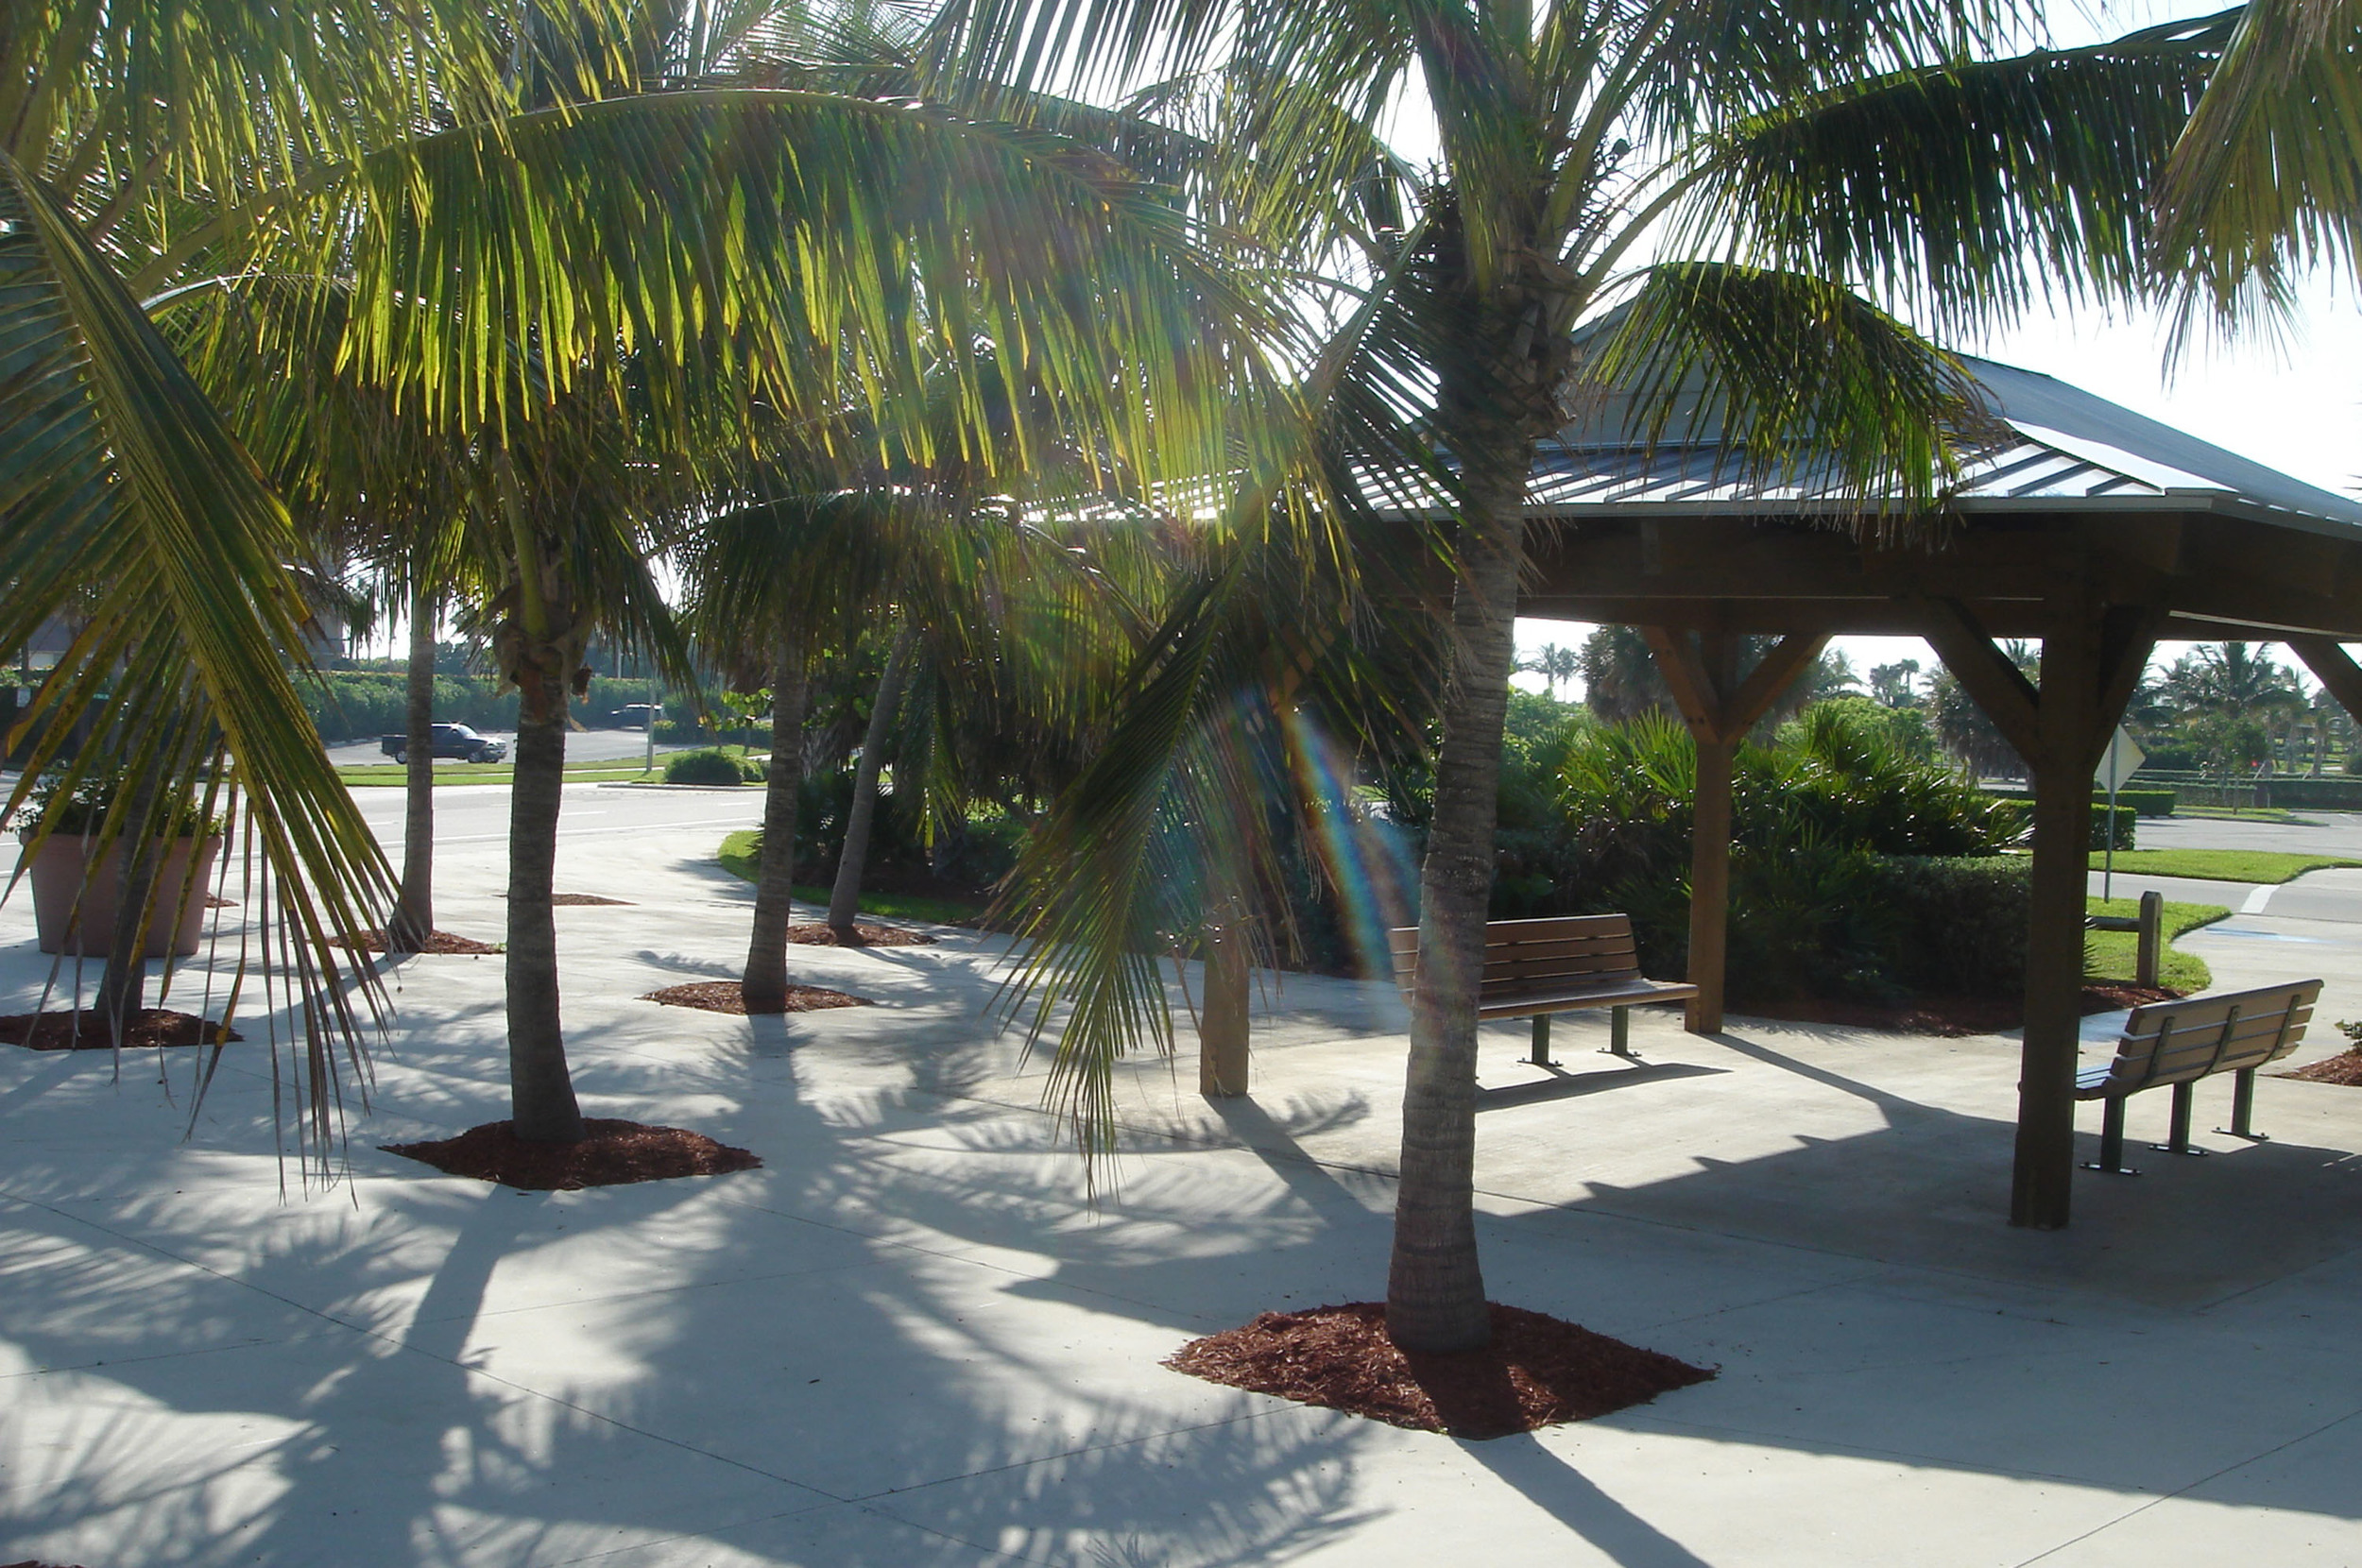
{"x":2111,"y":1140}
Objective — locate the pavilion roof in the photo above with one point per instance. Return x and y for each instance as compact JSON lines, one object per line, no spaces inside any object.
{"x":2066,"y":451}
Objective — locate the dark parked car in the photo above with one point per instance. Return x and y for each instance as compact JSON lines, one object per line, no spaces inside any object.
{"x":450,"y":741}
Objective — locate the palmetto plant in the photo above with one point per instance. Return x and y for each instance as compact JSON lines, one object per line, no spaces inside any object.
{"x":1736,"y":177}
{"x":553,"y":219}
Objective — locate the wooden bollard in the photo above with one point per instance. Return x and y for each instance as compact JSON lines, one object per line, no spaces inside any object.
{"x":2150,"y":942}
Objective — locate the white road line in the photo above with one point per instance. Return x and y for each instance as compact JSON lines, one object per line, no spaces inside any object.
{"x":2256,"y":900}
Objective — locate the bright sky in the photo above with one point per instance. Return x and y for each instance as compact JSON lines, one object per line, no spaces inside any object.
{"x":2295,"y":405}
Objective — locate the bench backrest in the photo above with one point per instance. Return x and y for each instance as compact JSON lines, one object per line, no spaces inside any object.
{"x":1523,"y":956}
{"x":2176,"y":1041}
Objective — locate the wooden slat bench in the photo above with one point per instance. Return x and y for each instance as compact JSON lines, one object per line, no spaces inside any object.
{"x":1533,"y":969}
{"x":2178,"y":1043}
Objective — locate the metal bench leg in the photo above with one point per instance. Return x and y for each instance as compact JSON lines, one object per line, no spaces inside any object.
{"x":2178,"y":1140}
{"x":1541,"y":1054}
{"x":2111,"y":1140}
{"x":2243,"y":1108}
{"x":1619,"y":1033}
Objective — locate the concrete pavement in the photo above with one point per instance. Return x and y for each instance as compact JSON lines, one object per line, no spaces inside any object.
{"x":914,"y":1338}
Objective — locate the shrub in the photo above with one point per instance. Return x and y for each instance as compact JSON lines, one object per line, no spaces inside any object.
{"x":2126,"y":825}
{"x":2148,"y":803}
{"x":1855,"y":869}
{"x":703,"y":767}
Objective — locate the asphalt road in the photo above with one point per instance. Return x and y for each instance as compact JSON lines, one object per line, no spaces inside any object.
{"x":2317,"y":895}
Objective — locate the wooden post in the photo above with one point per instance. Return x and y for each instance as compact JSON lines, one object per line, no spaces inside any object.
{"x":2092,"y":655}
{"x":1710,"y":885}
{"x":1222,"y":1039}
{"x":1719,"y":709}
{"x":2151,"y":941}
{"x":2041,"y":1186}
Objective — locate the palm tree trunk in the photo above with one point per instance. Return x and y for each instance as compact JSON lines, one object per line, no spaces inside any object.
{"x":1495,"y":395}
{"x":845,"y":898}
{"x":541,"y":1092}
{"x":414,"y":910}
{"x":139,"y":849}
{"x":765,"y":985}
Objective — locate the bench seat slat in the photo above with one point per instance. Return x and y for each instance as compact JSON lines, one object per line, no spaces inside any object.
{"x":2176,"y":1041}
{"x":1625,"y":994}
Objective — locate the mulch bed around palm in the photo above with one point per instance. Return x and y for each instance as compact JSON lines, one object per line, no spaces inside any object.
{"x":29,"y":1562}
{"x":437,"y":942}
{"x":2344,"y":1067}
{"x":613,"y":1154}
{"x":577,"y":901}
{"x":862,"y":936}
{"x":1538,"y":1371}
{"x":726,"y":996}
{"x":1950,"y":1016}
{"x":153,"y":1026}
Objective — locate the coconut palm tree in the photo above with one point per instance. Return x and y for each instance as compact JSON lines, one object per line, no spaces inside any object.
{"x":545,"y":211}
{"x":1737,"y":177}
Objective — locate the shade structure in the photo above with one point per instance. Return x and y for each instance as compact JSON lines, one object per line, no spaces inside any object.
{"x":2077,"y":524}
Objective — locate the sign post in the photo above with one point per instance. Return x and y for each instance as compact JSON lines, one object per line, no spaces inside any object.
{"x":2121,"y":760}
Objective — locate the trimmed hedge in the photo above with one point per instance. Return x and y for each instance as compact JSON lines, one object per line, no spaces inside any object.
{"x":711,"y":767}
{"x":2148,"y":803}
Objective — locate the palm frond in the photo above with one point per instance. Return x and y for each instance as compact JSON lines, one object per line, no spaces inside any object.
{"x":1971,"y":191}
{"x":1776,"y":371}
{"x":126,"y":506}
{"x":2266,"y":179}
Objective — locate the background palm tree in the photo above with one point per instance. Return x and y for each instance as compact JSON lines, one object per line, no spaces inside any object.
{"x":607,"y":219}
{"x":1731,"y":176}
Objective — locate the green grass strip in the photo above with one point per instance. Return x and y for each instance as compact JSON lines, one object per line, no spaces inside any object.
{"x":2114,"y":955}
{"x":740,"y":856}
{"x":2222,"y":865}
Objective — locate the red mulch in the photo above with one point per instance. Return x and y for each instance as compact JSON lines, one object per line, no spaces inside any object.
{"x":1946,"y":1015}
{"x":2344,"y":1067}
{"x":29,"y":1562}
{"x":437,"y":942}
{"x":573,"y":900}
{"x":726,"y":996}
{"x":153,"y":1026}
{"x":613,"y":1154}
{"x":1538,"y":1372}
{"x":861,"y":936}
{"x":215,"y":901}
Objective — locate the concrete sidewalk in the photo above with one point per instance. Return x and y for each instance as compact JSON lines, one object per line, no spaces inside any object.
{"x":911,"y":1338}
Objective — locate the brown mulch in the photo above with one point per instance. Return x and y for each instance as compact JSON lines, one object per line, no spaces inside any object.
{"x":861,"y":936}
{"x":613,"y":1154}
{"x":1950,"y":1016}
{"x":215,"y":901}
{"x":153,"y":1026}
{"x":576,"y":901}
{"x":29,"y":1562}
{"x":2344,"y":1067}
{"x":437,"y":942}
{"x":726,"y":996}
{"x":1538,"y":1372}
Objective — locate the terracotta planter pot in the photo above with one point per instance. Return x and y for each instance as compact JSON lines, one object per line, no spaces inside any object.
{"x":57,"y":876}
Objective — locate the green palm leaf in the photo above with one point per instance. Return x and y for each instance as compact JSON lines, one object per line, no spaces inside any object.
{"x":127,"y":507}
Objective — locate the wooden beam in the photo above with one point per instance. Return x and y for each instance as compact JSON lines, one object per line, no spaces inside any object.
{"x":2334,"y":668}
{"x":1679,"y":661}
{"x":1771,"y":676}
{"x":1995,"y":683}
